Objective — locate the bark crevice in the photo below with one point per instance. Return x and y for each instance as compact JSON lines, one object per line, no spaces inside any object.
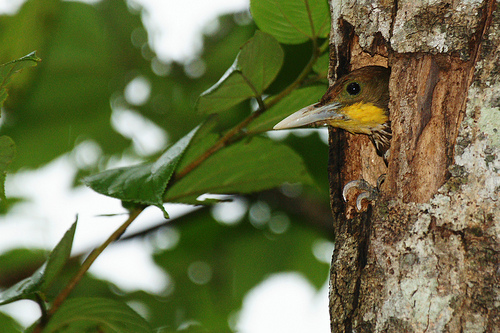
{"x":429,"y":261}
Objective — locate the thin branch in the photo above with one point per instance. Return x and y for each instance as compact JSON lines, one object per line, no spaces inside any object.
{"x":43,"y":308}
{"x":63,"y":295}
{"x":90,"y":259}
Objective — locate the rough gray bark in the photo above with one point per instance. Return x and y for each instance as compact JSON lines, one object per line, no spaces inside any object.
{"x":426,"y":256}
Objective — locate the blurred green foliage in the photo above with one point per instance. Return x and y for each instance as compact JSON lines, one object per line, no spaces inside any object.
{"x":90,"y":53}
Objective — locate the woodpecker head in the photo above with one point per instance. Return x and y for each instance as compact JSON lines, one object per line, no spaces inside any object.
{"x":357,"y":102}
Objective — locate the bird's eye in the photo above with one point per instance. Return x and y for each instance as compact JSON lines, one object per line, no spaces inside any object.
{"x":353,"y":88}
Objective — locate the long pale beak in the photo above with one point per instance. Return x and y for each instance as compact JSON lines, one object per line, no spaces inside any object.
{"x":312,"y":114}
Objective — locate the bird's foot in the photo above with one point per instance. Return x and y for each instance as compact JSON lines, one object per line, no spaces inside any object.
{"x":369,"y":192}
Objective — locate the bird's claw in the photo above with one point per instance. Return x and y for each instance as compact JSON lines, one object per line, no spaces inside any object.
{"x":369,"y":192}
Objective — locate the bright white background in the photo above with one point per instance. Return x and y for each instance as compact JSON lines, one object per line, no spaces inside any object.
{"x":283,"y":303}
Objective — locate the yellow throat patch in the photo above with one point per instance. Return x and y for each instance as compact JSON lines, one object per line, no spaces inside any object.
{"x":361,"y":118}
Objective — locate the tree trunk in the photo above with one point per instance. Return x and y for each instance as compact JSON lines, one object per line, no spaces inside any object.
{"x":426,"y":256}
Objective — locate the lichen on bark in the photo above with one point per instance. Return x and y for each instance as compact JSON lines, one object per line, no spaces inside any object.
{"x":432,"y":260}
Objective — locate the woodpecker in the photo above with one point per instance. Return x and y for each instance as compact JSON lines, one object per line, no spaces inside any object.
{"x":358,"y":103}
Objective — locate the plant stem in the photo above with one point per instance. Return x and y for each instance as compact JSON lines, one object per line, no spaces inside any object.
{"x":63,"y":295}
{"x":43,"y":308}
{"x":90,"y":259}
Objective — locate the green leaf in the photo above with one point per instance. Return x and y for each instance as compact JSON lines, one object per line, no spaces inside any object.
{"x":260,"y":60}
{"x":321,"y":65}
{"x":85,"y":314}
{"x":203,"y":140}
{"x":17,"y":260}
{"x":254,"y":69}
{"x":244,"y":167}
{"x":7,"y":153}
{"x":9,"y":325}
{"x":229,"y":91}
{"x":7,"y":147}
{"x":10,"y":68}
{"x":58,"y":257}
{"x":42,"y":278}
{"x":144,"y":183}
{"x":292,"y":21}
{"x":295,"y":101}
